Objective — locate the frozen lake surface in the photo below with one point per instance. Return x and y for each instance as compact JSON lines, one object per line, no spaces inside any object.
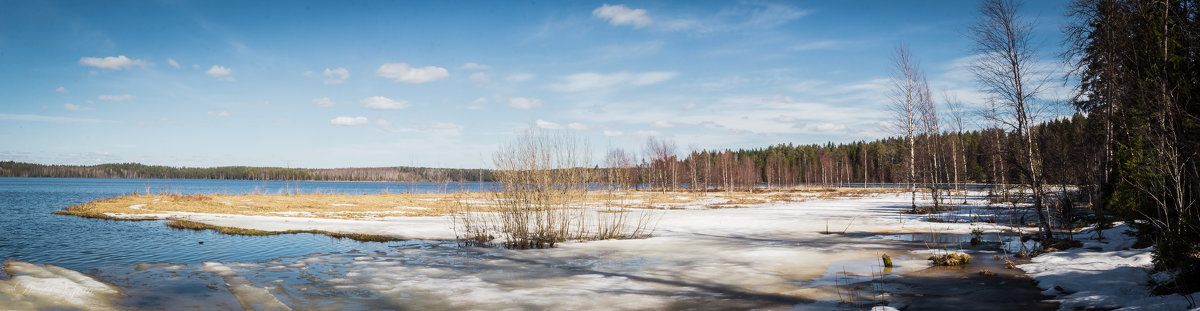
{"x":817,"y":253}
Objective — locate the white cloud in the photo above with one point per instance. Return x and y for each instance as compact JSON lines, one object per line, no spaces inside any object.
{"x":481,"y":79}
{"x":383,"y":103}
{"x":748,"y":16}
{"x":475,"y":66}
{"x":115,"y":63}
{"x":577,"y":126}
{"x":589,"y":81}
{"x":817,"y":45}
{"x":479,"y":101}
{"x":51,"y":119}
{"x":441,"y":126}
{"x":648,"y":133}
{"x":173,"y":63}
{"x":73,"y":107}
{"x":548,"y":125}
{"x":336,"y":76}
{"x":219,"y":114}
{"x":401,"y":72}
{"x":829,"y":127}
{"x":116,"y":98}
{"x":350,"y":121}
{"x":220,"y":73}
{"x":324,"y":102}
{"x":385,"y":125}
{"x":61,"y":89}
{"x":524,"y":102}
{"x":662,"y":124}
{"x":519,"y":77}
{"x":613,"y":133}
{"x":621,"y":15}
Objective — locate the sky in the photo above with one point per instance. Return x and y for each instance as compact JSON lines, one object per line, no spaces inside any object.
{"x":444,"y":84}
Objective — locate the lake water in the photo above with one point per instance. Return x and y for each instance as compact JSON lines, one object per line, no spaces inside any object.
{"x":29,"y":232}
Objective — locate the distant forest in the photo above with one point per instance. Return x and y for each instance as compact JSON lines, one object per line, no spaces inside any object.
{"x":972,"y":156}
{"x":134,"y":170}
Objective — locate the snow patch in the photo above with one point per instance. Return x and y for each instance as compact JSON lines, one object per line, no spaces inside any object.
{"x":1115,"y":276}
{"x":34,"y":286}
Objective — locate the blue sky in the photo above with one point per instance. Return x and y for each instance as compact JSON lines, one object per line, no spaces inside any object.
{"x":300,"y":84}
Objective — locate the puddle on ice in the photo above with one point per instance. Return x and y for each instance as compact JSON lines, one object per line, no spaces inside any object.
{"x":1008,"y":242}
{"x":845,"y":272}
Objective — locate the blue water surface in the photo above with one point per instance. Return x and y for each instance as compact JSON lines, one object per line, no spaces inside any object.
{"x":29,"y":232}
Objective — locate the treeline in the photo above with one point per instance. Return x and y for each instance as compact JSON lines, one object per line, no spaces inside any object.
{"x":134,"y":170}
{"x":1139,"y":66}
{"x":978,"y":156}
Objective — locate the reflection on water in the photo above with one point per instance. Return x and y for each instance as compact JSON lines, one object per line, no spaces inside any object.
{"x":1008,"y":242}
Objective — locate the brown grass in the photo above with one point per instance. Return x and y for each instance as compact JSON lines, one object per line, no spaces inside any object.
{"x":376,"y":206}
{"x":951,"y":259}
{"x":192,"y":225}
{"x":338,"y":206}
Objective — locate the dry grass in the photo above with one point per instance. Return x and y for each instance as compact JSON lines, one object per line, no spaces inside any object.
{"x":951,"y":259}
{"x":377,"y":206}
{"x":192,"y":225}
{"x":336,"y":206}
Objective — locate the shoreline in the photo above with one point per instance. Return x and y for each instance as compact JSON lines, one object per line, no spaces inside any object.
{"x":767,"y":236}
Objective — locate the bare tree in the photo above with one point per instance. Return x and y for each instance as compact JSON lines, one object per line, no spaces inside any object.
{"x":906,"y":84}
{"x":957,"y":112}
{"x":661,"y":153}
{"x":1004,"y":67}
{"x":932,"y":132}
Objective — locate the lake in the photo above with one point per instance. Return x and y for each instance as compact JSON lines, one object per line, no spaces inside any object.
{"x":29,"y":232}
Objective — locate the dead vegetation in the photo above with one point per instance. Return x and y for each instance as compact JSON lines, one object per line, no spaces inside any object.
{"x":192,"y":225}
{"x":950,"y":259}
{"x":335,"y":206}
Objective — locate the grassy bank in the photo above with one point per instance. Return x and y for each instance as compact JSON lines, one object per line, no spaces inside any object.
{"x":377,"y":206}
{"x":192,"y":225}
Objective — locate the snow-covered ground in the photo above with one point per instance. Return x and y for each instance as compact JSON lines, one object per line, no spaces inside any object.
{"x":1106,"y":274}
{"x":814,"y":254}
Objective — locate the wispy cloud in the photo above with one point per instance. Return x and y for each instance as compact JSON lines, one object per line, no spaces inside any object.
{"x":817,"y":45}
{"x":222,"y":114}
{"x":548,"y":125}
{"x":618,"y":15}
{"x":50,"y":119}
{"x":348,"y":121}
{"x":220,"y":73}
{"x":590,"y":81}
{"x":61,"y":89}
{"x":324,"y":102}
{"x":383,"y":103}
{"x":332,"y":76}
{"x":113,"y":63}
{"x":524,"y":102}
{"x":73,"y":107}
{"x":402,"y":72}
{"x":481,"y":79}
{"x":116,"y":98}
{"x":475,"y":66}
{"x":519,"y":77}
{"x":743,"y":17}
{"x":173,"y":63}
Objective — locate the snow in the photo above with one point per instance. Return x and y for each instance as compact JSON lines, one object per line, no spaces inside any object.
{"x":697,"y":258}
{"x":34,"y":286}
{"x":1102,"y":274}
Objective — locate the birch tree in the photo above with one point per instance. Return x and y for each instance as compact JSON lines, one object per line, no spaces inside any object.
{"x":1004,"y":67}
{"x":906,"y":83}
